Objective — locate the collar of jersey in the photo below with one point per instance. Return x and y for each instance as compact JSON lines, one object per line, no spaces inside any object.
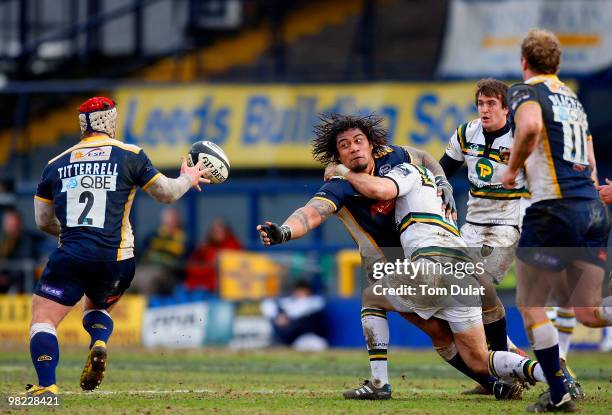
{"x":490,"y":136}
{"x":535,"y":79}
{"x":96,"y":137}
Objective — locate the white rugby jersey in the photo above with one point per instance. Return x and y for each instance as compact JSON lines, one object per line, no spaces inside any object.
{"x":419,"y":216}
{"x":489,"y":202}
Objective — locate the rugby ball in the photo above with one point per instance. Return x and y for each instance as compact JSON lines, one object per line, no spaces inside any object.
{"x":214,"y":158}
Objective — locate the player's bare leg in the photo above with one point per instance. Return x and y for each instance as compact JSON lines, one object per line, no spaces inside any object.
{"x":44,"y":347}
{"x":99,"y":324}
{"x":504,"y":365}
{"x":438,"y":330}
{"x":586,"y":281}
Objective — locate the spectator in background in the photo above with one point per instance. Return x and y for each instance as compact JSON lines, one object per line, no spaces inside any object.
{"x":17,"y":248}
{"x":298,"y":319}
{"x":202,"y":265}
{"x":162,"y":266}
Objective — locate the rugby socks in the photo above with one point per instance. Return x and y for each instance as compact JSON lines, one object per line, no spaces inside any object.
{"x":376,"y":332}
{"x":44,"y":350}
{"x":507,"y":366}
{"x":565,"y":323}
{"x":496,"y":335}
{"x":99,"y":325}
{"x":450,"y":354}
{"x":544,"y":342}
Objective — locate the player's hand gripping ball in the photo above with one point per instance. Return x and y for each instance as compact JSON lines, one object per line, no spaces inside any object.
{"x":213,"y":157}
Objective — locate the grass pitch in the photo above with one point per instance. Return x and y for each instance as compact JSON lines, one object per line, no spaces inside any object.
{"x":277,"y":381}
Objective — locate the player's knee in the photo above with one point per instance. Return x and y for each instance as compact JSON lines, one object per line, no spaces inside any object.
{"x":493,"y":314}
{"x":367,"y":297}
{"x":440,"y":334}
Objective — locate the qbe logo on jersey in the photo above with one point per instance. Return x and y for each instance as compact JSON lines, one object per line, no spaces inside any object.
{"x":86,"y":199}
{"x":91,"y":154}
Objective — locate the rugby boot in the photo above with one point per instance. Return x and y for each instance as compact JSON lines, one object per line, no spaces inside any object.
{"x":94,"y":369}
{"x":368,"y":391}
{"x":42,"y":391}
{"x":504,"y":391}
{"x":544,"y":404}
{"x":573,"y":387}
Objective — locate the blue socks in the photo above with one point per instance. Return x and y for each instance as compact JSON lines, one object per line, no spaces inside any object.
{"x":44,"y":350}
{"x":549,"y":361}
{"x":99,"y":325}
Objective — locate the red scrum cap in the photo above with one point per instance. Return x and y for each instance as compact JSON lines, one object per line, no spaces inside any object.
{"x":98,"y":114}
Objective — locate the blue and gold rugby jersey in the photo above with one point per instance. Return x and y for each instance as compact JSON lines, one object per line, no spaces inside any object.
{"x":370,"y":222}
{"x":92,"y":186}
{"x":558,"y":167}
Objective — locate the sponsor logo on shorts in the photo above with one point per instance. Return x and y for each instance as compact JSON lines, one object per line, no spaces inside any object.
{"x":384,"y":207}
{"x":602,"y":255}
{"x":56,"y":292}
{"x":112,"y":298}
{"x":98,"y":326}
{"x":43,"y":358}
{"x":91,"y":154}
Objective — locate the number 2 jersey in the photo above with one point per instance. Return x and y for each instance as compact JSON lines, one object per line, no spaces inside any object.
{"x":558,"y":167}
{"x":92,"y":186}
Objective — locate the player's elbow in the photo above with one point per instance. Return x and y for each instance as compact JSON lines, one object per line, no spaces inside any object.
{"x":531,"y":127}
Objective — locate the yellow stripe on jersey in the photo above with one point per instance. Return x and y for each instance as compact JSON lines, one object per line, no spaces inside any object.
{"x":427,"y":218}
{"x":87,"y":143}
{"x":434,"y":251}
{"x":328,"y":201}
{"x":125,"y":252}
{"x":151,"y":181}
{"x":359,"y":235}
{"x":531,"y":101}
{"x":551,"y":164}
{"x":42,"y":199}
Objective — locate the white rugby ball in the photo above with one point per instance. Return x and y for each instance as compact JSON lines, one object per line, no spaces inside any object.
{"x":214,"y":158}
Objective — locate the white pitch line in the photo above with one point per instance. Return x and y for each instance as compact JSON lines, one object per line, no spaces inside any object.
{"x":212,"y":391}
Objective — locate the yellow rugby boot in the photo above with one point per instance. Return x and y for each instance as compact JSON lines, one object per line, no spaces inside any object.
{"x":95,"y":367}
{"x":42,"y":391}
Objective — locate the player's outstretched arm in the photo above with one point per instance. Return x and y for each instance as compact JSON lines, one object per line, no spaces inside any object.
{"x":308,"y":217}
{"x":166,"y":190}
{"x":44,"y":215}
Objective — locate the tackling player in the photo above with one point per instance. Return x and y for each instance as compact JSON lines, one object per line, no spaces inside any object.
{"x":84,"y":197}
{"x":551,"y":141}
{"x":360,"y":143}
{"x":433,"y":243}
{"x":492,"y":222}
